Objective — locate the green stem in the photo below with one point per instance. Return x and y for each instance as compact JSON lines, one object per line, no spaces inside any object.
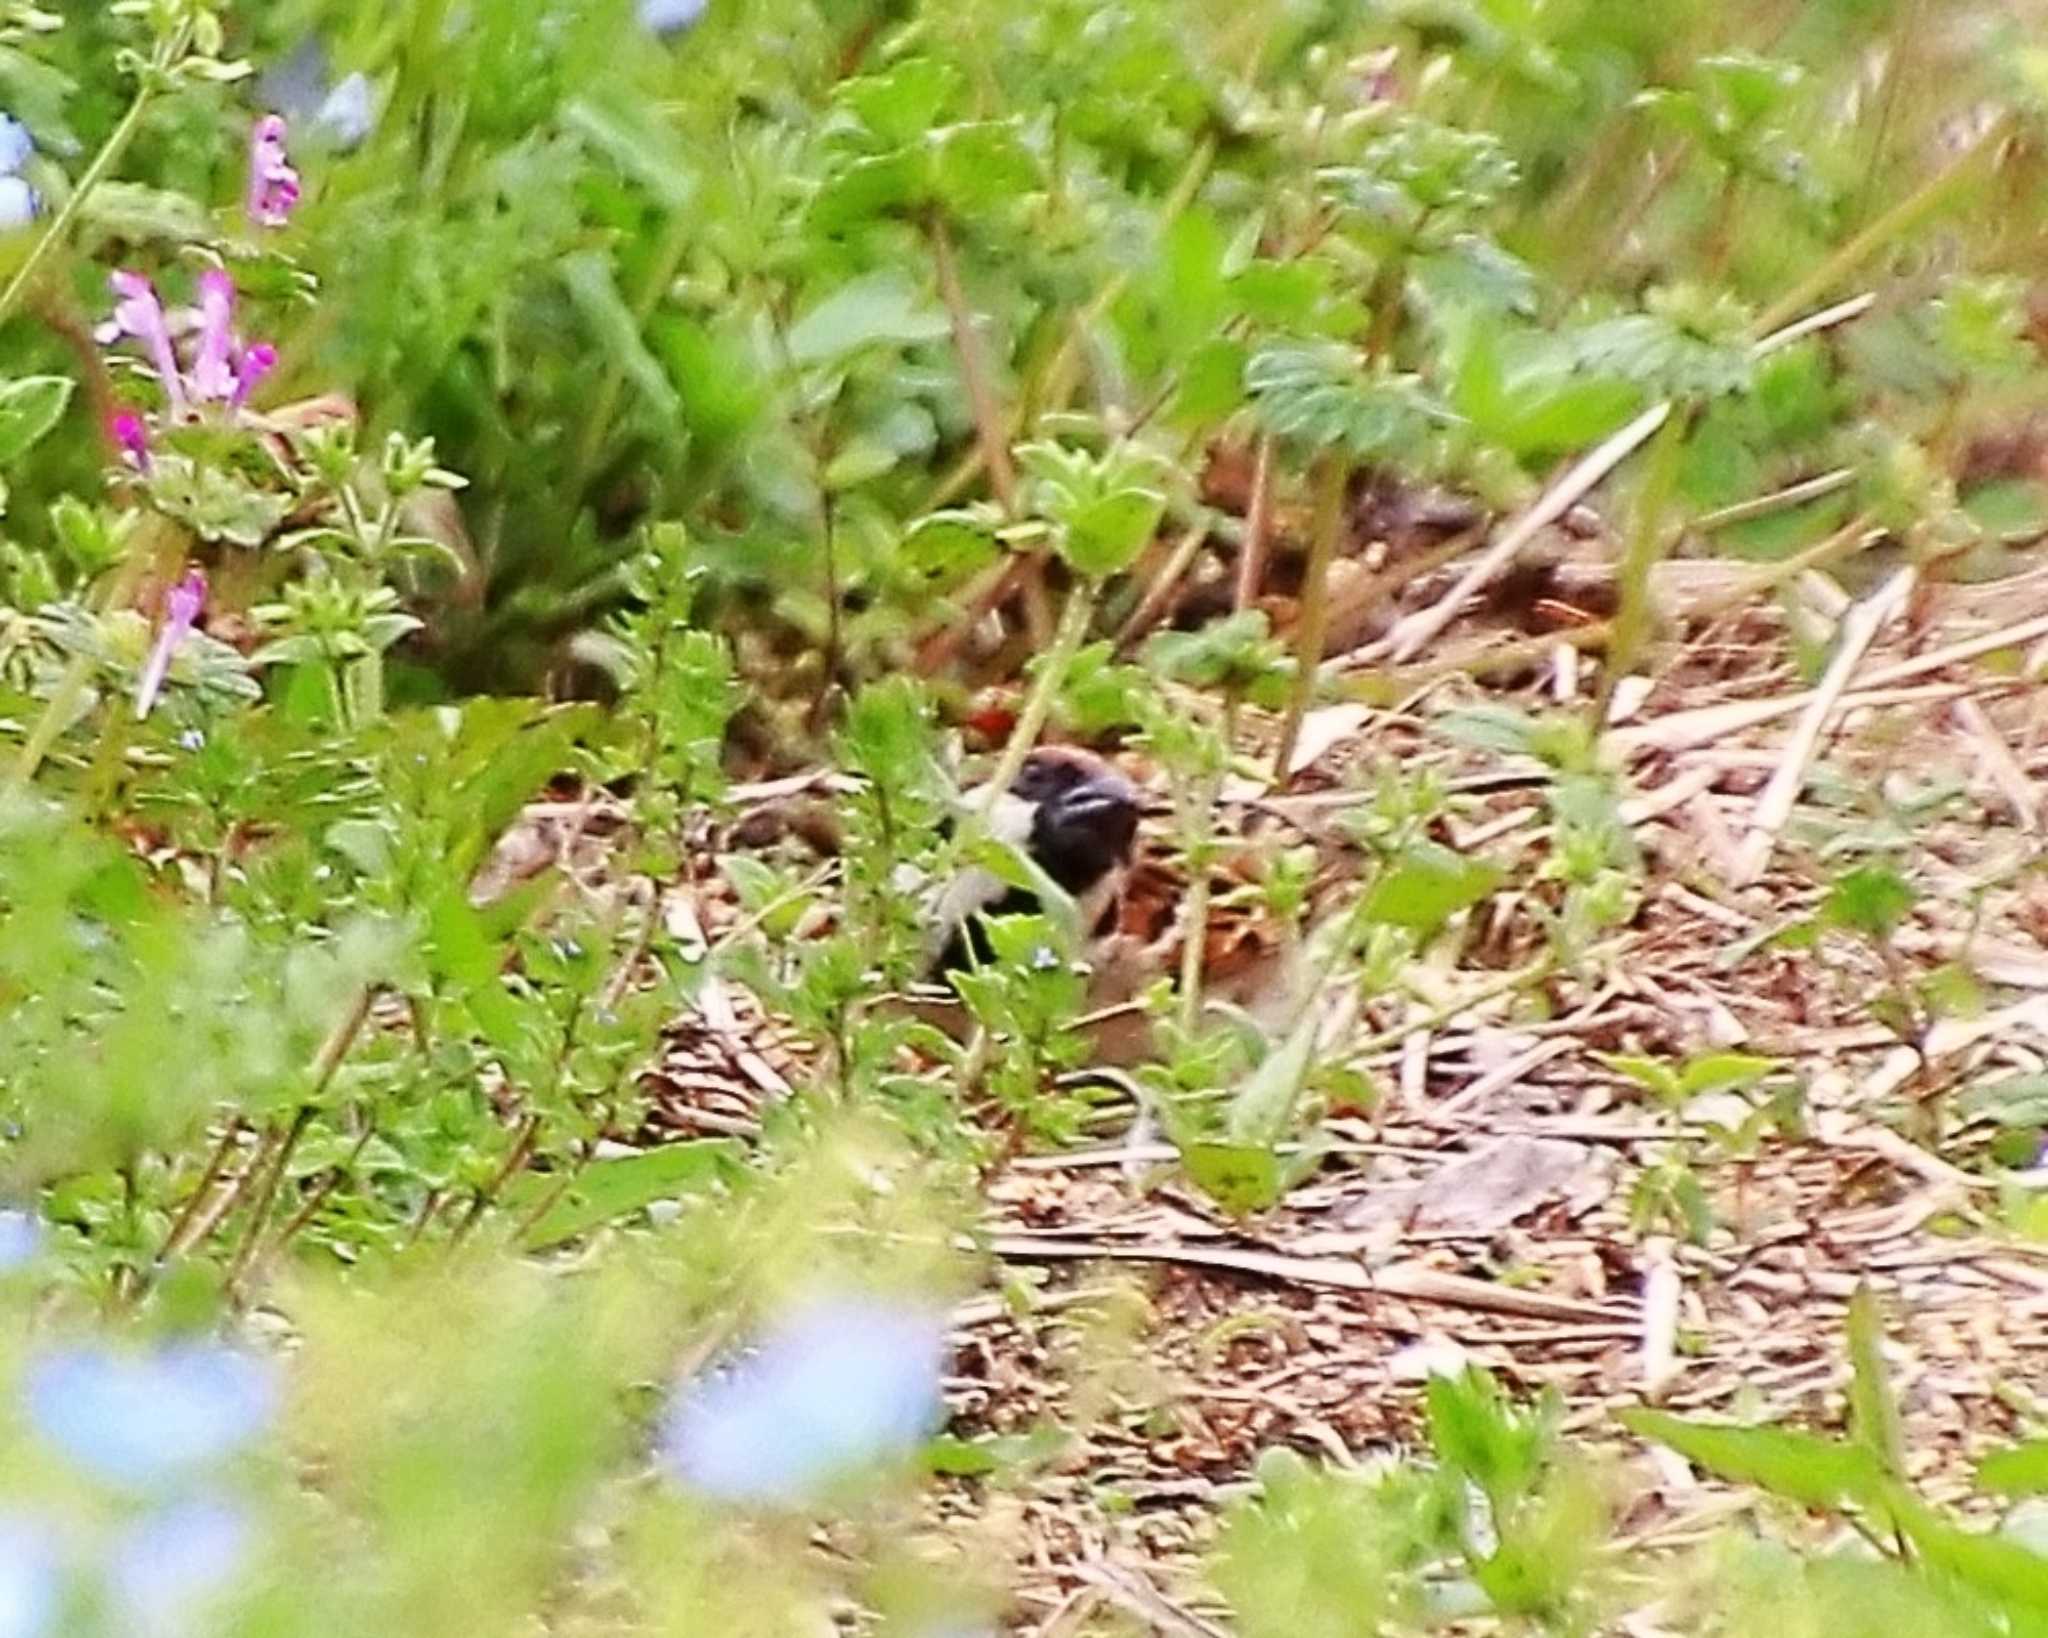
{"x":1923,"y":202}
{"x":1052,"y":671}
{"x":66,"y":218}
{"x":1646,"y":542}
{"x":1313,"y":624}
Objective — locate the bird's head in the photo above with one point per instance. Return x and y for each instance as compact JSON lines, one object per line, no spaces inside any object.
{"x":1083,"y":815}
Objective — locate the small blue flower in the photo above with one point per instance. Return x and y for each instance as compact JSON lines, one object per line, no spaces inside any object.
{"x":21,"y":1237}
{"x":143,"y":1419}
{"x":166,"y":1570}
{"x":666,"y":17}
{"x":16,"y":145}
{"x":20,"y":204}
{"x":837,"y":1385}
{"x":29,"y":1581}
{"x":348,"y":113}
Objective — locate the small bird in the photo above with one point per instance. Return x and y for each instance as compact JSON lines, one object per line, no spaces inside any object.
{"x":1076,"y":818}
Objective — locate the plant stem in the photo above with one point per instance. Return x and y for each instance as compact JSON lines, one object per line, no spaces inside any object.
{"x":61,"y":225}
{"x":1894,"y":224}
{"x":1251,"y":557}
{"x":266,"y":1196}
{"x":1333,"y":474}
{"x":216,"y":1163}
{"x":989,"y":426}
{"x":515,"y":1162}
{"x":1646,"y":542}
{"x":1052,"y":671}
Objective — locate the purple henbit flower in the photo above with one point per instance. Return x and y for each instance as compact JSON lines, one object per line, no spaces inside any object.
{"x":138,"y":313}
{"x":252,"y":364}
{"x":131,"y":433}
{"x":273,"y":184}
{"x":181,"y":611}
{"x":212,"y":376}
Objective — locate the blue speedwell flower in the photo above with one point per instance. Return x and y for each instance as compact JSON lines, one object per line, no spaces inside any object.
{"x":30,"y":1580}
{"x":835,"y":1386}
{"x":21,"y":1237}
{"x":670,"y":16}
{"x":166,"y":1572}
{"x":19,"y":201}
{"x":143,"y":1420}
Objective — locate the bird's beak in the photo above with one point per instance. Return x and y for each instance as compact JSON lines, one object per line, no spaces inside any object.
{"x":1105,"y":796}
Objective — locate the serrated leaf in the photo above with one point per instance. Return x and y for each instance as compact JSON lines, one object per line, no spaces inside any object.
{"x":1105,"y":536}
{"x":1428,"y":885}
{"x":1871,"y":899}
{"x":29,"y":409}
{"x":1802,"y":1467}
{"x":607,"y":1190}
{"x":902,"y":103}
{"x":1242,"y":1178}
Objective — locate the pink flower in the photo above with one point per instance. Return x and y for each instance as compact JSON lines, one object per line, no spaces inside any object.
{"x":252,"y":364}
{"x":182,"y":606}
{"x":273,"y":184}
{"x":138,"y":313}
{"x":131,"y":432}
{"x":213,"y":370}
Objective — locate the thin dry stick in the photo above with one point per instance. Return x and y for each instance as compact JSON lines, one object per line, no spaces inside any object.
{"x":989,"y":426}
{"x":1413,"y":631}
{"x":1684,"y":729}
{"x":1779,"y":500}
{"x":295,"y":1224}
{"x":181,"y":1226}
{"x":1860,"y":627}
{"x":1332,"y":479}
{"x":1251,"y":558}
{"x":1153,"y":605}
{"x":1409,"y":1281}
{"x":1424,"y":625}
{"x":516,"y":1158}
{"x":266,"y":1195}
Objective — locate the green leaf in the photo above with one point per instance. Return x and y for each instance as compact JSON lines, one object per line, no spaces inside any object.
{"x":2016,"y":1100}
{"x":1428,"y":885}
{"x":587,"y":275}
{"x":1871,"y":899}
{"x":880,"y":309}
{"x":899,"y":105}
{"x":1652,"y":1073}
{"x":1242,"y":1178}
{"x":1873,"y":1411}
{"x":1105,"y":536}
{"x":1991,"y":1564}
{"x":1722,"y":1072}
{"x":633,"y":136}
{"x":951,"y":545}
{"x":2020,"y":1470}
{"x":1802,"y":1467}
{"x":980,"y":166}
{"x":29,"y":409}
{"x":609,"y":1189}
